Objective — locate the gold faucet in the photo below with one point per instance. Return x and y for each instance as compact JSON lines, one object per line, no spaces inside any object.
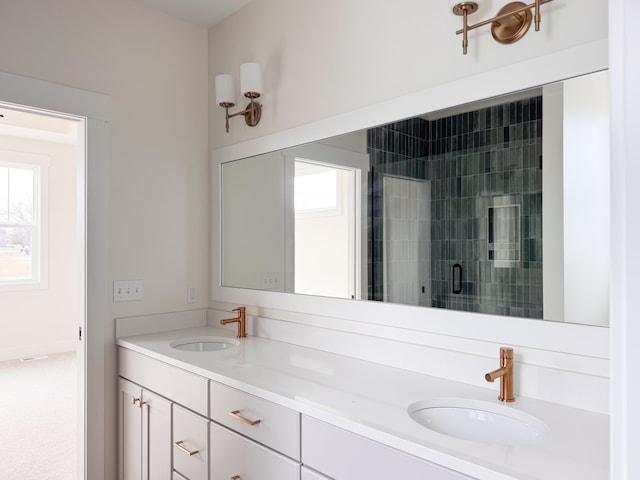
{"x":240,"y":319}
{"x":505,"y":373}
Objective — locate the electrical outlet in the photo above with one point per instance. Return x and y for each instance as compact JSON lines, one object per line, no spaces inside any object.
{"x":270,"y":281}
{"x":128,"y":290}
{"x":192,"y":294}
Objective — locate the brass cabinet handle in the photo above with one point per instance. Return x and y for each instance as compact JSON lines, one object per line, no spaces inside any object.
{"x":180,"y":447}
{"x":236,"y":414}
{"x":137,"y":402}
{"x":235,"y":477}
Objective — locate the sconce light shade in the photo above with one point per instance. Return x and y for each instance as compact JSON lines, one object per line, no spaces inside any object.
{"x":251,"y":80}
{"x":250,"y":86}
{"x":225,"y":90}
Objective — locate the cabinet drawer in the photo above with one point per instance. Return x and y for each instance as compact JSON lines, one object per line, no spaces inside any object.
{"x":190,"y":444}
{"x":343,"y":455}
{"x":278,"y":426}
{"x":172,"y":382}
{"x":232,"y":454}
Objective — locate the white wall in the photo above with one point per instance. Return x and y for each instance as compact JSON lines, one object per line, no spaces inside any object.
{"x":586,"y":199}
{"x":154,"y":69}
{"x":576,"y":200}
{"x":552,"y":203}
{"x":335,"y":68}
{"x":325,"y":58}
{"x":254,"y":215}
{"x":43,"y":321}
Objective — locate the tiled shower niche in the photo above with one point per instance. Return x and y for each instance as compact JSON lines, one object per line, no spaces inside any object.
{"x":483,"y":172}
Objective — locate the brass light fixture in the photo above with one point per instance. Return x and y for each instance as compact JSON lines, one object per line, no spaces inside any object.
{"x":251,"y":87}
{"x":510,"y":24}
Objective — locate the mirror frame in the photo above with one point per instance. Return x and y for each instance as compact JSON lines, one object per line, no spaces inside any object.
{"x":571,"y":338}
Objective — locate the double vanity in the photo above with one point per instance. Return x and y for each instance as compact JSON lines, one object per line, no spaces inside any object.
{"x":198,"y":403}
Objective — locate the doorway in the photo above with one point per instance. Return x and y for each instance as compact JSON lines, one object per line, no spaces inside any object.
{"x":326,"y":222}
{"x":42,"y":286}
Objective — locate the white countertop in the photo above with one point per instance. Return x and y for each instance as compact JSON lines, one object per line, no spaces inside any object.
{"x":371,"y":400}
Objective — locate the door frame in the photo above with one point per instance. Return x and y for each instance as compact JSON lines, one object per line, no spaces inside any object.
{"x":332,"y":156}
{"x":96,"y":109}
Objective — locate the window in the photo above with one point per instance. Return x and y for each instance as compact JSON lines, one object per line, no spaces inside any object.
{"x":316,"y":189}
{"x":22,"y":220}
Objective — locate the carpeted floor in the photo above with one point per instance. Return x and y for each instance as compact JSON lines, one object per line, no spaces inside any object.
{"x":38,"y":437}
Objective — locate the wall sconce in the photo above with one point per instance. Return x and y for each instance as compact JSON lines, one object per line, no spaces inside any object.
{"x":251,"y":87}
{"x":510,"y":24}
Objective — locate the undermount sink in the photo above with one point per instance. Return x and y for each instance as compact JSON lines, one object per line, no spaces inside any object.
{"x":478,"y":421}
{"x":204,"y":344}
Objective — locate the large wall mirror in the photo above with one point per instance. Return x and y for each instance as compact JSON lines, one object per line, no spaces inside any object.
{"x":498,"y":207}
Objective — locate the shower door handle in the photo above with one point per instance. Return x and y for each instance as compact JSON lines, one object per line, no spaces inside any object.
{"x":456,"y":279}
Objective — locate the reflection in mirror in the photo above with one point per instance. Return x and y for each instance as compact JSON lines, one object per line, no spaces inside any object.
{"x":454,"y":209}
{"x":325,"y":222}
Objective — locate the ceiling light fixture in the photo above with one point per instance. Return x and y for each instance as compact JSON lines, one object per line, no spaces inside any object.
{"x":251,"y":87}
{"x":510,"y":24}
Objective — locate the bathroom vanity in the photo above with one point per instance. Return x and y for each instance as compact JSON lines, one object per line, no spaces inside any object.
{"x":265,"y":409}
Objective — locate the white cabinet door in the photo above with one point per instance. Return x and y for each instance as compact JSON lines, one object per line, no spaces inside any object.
{"x":144,"y":449}
{"x":129,"y":431}
{"x":343,"y":455}
{"x":156,"y":437}
{"x":233,"y":455}
{"x":190,"y":444}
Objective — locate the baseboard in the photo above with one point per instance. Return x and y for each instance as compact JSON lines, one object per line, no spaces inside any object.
{"x":27,"y":351}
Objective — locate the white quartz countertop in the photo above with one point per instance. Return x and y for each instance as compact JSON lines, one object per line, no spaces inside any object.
{"x":371,"y":400}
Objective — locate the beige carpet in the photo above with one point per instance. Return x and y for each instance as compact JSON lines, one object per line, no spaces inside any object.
{"x":38,"y":418}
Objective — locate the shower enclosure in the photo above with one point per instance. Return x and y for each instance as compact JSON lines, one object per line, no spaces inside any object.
{"x":475,"y":181}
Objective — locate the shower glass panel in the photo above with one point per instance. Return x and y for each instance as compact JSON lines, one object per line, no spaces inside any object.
{"x":483,"y":169}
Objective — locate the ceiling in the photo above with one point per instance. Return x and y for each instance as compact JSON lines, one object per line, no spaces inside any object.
{"x":21,"y":123}
{"x":200,"y":12}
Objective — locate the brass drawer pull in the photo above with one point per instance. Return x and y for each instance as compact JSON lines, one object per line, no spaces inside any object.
{"x":235,"y":477}
{"x":137,"y":402}
{"x":180,"y":447}
{"x":236,"y":414}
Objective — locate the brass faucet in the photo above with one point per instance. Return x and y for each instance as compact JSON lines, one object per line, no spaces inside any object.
{"x":240,"y":319}
{"x":505,"y":373}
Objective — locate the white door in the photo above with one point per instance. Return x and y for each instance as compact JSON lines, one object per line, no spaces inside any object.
{"x":407,"y":241}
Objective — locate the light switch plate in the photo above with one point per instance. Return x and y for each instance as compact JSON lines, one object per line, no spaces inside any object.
{"x":128,"y":290}
{"x":270,"y":281}
{"x":192,"y":294}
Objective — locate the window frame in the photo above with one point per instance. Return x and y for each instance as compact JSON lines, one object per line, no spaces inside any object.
{"x":40,"y":165}
{"x":315,"y":168}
